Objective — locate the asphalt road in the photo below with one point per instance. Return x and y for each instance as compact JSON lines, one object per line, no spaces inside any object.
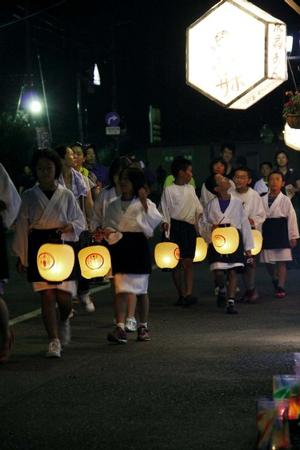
{"x":193,"y":386}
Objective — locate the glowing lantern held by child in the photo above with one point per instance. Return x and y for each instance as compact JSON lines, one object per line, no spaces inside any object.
{"x":166,"y":255}
{"x":201,"y":250}
{"x":258,"y":240}
{"x":94,"y":261}
{"x":225,"y":239}
{"x":55,"y":262}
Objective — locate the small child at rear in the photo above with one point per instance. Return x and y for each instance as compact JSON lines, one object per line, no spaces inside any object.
{"x":181,"y":210}
{"x":280,"y":232}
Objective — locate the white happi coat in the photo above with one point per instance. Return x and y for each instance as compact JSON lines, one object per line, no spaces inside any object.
{"x":234,"y":214}
{"x":281,"y":207}
{"x":100,"y":206}
{"x":180,"y":202}
{"x":38,"y":212}
{"x":261,"y":187}
{"x":253,"y":206}
{"x":10,"y":196}
{"x":134,"y":218}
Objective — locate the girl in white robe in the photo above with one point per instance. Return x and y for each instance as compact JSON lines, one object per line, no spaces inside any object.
{"x":280,"y":232}
{"x":9,"y":206}
{"x":48,"y":209}
{"x":222,"y":211}
{"x":134,"y":218}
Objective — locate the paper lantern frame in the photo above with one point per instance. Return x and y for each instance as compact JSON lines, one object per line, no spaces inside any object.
{"x":236,"y":54}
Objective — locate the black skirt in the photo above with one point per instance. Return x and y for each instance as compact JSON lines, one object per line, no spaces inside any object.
{"x":236,"y":257}
{"x":36,"y":238}
{"x":275,"y":233}
{"x":184,"y":235}
{"x":131,"y":254}
{"x":3,"y":252}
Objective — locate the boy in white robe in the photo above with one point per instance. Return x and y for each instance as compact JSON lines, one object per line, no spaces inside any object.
{"x":223,"y":211}
{"x":128,"y":223}
{"x":48,"y":206}
{"x":9,"y":206}
{"x":280,"y":232}
{"x":181,"y":210}
{"x":255,"y":212}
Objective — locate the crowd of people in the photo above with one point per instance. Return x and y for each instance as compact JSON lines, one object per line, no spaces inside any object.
{"x":69,"y":197}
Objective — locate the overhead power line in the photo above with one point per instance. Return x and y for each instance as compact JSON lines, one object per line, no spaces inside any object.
{"x":29,"y":16}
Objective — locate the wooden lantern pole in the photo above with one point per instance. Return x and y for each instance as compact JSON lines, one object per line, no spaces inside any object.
{"x":293,"y":5}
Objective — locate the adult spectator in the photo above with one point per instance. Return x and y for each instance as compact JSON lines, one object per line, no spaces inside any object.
{"x":95,"y":166}
{"x":227,"y":153}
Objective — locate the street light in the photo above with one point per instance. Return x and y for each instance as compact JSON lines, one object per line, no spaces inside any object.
{"x":35,"y":106}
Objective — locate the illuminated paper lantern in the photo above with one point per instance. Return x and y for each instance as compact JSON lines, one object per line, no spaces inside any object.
{"x":236,"y":54}
{"x":258,"y":240}
{"x":94,"y":261}
{"x":292,"y":137}
{"x":201,"y":250}
{"x":55,"y":262}
{"x":225,"y":239}
{"x":166,"y":255}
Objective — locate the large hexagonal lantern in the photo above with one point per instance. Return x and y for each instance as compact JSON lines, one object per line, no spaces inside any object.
{"x":236,"y":54}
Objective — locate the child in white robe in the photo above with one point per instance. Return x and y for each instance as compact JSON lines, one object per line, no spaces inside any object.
{"x":280,"y":232}
{"x":108,"y":195}
{"x":9,"y":206}
{"x":48,"y":209}
{"x":128,"y":223}
{"x":226,"y":210}
{"x":181,"y":210}
{"x":255,"y":212}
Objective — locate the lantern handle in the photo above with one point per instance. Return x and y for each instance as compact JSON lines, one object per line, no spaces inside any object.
{"x":221,"y":220}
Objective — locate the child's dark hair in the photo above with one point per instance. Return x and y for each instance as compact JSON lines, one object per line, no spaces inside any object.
{"x":49,"y":154}
{"x":179,"y":163}
{"x":243,"y":169}
{"x":229,"y":145}
{"x":118,"y":165}
{"x":266,"y":163}
{"x":215,"y":161}
{"x":277,"y":172}
{"x":61,"y":150}
{"x":136,"y":177}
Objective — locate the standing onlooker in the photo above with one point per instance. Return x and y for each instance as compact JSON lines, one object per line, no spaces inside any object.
{"x":261,"y":186}
{"x":225,"y":210}
{"x":9,"y":207}
{"x":280,"y":232}
{"x":256,"y":215}
{"x":48,"y":211}
{"x":227,"y":153}
{"x":291,"y":176}
{"x":95,"y":167}
{"x":181,"y":210}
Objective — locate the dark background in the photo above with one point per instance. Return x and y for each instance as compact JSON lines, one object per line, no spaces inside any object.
{"x":144,"y":42}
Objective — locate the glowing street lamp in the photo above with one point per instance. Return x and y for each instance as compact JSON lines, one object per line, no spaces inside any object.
{"x":236,"y":54}
{"x":35,"y":106}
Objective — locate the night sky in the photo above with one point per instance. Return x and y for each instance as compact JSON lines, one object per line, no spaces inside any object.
{"x":145,"y":42}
